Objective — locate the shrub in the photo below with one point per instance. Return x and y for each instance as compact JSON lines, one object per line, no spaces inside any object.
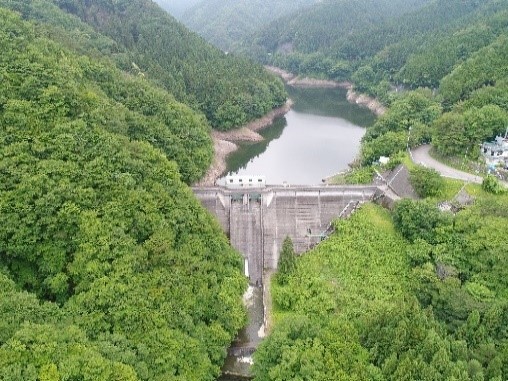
{"x":492,"y":185}
{"x":426,"y":182}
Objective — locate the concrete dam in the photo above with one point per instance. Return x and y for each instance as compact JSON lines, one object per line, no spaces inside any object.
{"x":257,"y":220}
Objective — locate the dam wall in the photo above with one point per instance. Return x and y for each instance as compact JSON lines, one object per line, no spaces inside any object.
{"x":258,"y":220}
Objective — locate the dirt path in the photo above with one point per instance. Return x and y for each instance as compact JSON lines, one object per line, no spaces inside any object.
{"x":421,"y":155}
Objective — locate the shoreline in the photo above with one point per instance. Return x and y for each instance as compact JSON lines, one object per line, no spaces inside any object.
{"x":352,"y":96}
{"x":365,"y":101}
{"x":291,"y":79}
{"x":224,"y":142}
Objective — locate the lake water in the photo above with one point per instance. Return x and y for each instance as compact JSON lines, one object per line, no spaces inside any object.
{"x":318,"y":137}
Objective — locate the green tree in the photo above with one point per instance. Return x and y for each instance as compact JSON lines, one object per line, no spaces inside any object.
{"x":483,"y":124}
{"x":427,"y":182}
{"x":418,"y":219}
{"x":287,"y":261}
{"x":387,"y":144}
{"x":449,"y":134}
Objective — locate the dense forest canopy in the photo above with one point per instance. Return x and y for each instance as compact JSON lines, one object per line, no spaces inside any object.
{"x":322,"y":26}
{"x":225,"y":22}
{"x":109,"y":267}
{"x":418,"y":295}
{"x":229,"y":91}
{"x":142,"y":39}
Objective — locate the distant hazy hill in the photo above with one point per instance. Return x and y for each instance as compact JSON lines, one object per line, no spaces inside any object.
{"x":321,"y":26}
{"x":225,"y":22}
{"x":176,"y":7}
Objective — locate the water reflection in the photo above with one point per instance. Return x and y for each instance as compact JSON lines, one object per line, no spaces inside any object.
{"x":239,"y":160}
{"x":329,"y":102}
{"x":318,"y":137}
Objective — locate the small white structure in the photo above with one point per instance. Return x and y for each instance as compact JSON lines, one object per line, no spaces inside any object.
{"x":241,"y":182}
{"x":496,"y":152}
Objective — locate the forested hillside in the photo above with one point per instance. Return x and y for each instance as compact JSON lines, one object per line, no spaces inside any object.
{"x":463,"y":62}
{"x":131,"y":105}
{"x":225,"y":22}
{"x":229,"y":91}
{"x":144,"y":40}
{"x":419,"y":295}
{"x":308,"y":41}
{"x":109,"y":267}
{"x":455,"y":48}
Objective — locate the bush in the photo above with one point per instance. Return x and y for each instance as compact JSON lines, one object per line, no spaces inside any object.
{"x":418,"y":220}
{"x":361,"y":175}
{"x":492,"y":185}
{"x":427,"y":182}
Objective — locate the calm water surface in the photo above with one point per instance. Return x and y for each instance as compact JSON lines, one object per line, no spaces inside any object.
{"x":318,"y":137}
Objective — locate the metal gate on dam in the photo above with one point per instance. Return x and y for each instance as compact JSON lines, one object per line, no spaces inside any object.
{"x":257,"y":220}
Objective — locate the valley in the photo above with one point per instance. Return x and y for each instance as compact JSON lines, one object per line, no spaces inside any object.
{"x":112,"y":268}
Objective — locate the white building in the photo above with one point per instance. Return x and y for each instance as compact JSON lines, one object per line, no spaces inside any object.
{"x":246,"y":181}
{"x":496,"y":152}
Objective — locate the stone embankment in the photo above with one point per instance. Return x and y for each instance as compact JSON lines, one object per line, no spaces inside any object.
{"x":222,"y":149}
{"x":224,"y":142}
{"x":364,"y":100}
{"x":292,"y":80}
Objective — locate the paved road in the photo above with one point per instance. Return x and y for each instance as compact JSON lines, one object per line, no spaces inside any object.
{"x":421,"y":155}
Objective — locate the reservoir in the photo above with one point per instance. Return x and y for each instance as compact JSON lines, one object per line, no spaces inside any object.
{"x":318,"y":137}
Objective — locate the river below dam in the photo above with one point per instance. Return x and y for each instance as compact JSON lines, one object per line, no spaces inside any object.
{"x":318,"y":137}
